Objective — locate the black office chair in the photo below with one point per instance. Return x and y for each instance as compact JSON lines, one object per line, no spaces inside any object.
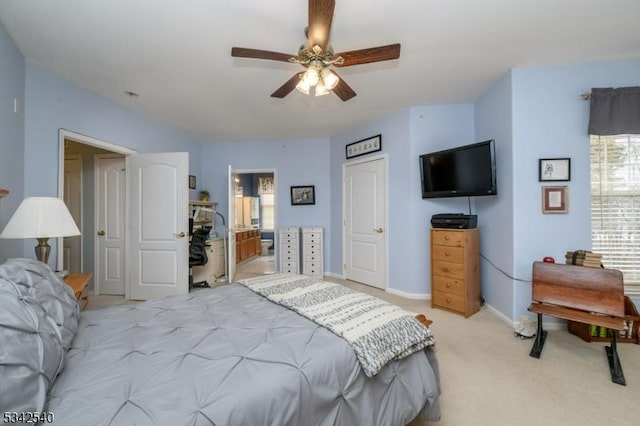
{"x":198,"y":255}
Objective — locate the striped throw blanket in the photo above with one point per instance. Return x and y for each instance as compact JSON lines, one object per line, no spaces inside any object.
{"x":378,"y":331}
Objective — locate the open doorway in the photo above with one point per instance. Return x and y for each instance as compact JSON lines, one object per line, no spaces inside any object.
{"x":255,"y":209}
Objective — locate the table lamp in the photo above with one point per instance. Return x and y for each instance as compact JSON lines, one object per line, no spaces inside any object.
{"x":41,"y":218}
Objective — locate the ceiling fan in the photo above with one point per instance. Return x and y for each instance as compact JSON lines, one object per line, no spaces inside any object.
{"x":317,"y":57}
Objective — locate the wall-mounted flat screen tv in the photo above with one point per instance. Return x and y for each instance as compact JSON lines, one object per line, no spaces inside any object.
{"x":464,"y":171}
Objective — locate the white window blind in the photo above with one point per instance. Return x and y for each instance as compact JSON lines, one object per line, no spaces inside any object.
{"x":268,"y":212}
{"x":615,"y":204}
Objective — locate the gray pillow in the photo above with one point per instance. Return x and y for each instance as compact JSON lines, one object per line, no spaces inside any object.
{"x":37,"y":282}
{"x":31,"y":351}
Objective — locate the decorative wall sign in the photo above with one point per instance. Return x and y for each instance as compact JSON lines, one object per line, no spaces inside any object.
{"x":554,"y":169}
{"x":555,"y":199}
{"x":365,"y":146}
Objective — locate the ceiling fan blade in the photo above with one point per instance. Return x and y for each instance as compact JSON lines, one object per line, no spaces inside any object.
{"x":288,"y":87}
{"x":343,"y":90}
{"x":243,"y":52}
{"x":320,"y":17}
{"x":372,"y":54}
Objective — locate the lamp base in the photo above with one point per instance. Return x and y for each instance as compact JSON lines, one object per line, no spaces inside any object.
{"x":42,"y":250}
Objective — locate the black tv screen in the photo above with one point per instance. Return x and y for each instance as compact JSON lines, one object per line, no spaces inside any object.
{"x":464,"y":171}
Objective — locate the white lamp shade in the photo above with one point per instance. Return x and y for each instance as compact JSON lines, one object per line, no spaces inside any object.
{"x":41,"y":217}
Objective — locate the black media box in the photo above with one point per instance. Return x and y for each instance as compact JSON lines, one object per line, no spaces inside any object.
{"x":454,"y":220}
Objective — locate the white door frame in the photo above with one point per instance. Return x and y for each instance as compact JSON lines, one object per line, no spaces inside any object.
{"x":383,"y":157}
{"x":86,"y":140}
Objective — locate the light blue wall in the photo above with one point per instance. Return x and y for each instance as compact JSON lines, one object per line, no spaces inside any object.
{"x":493,"y":120}
{"x":550,"y":120}
{"x":395,"y":144}
{"x":296,"y":162}
{"x":405,"y":135}
{"x":433,"y":128}
{"x":12,"y":67}
{"x":53,"y":103}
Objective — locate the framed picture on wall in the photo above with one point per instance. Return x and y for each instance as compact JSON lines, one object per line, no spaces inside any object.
{"x":555,"y":199}
{"x":192,"y":182}
{"x":554,"y":169}
{"x":365,"y":146}
{"x":303,"y":195}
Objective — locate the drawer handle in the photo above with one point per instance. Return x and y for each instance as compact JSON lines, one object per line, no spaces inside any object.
{"x":448,"y":285}
{"x":446,"y":237}
{"x":446,"y":253}
{"x":448,"y":300}
{"x":446,"y":269}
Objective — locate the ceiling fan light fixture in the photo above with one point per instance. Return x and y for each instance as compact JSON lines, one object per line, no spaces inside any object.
{"x":321,"y":89}
{"x":311,"y":76}
{"x":329,"y":79}
{"x":303,"y":86}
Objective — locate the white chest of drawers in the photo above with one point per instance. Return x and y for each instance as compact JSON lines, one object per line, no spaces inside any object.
{"x":289,"y":249}
{"x":312,"y":251}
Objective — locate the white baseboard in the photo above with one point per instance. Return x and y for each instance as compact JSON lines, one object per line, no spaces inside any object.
{"x":548,"y":323}
{"x":333,"y":275}
{"x":415,"y":296}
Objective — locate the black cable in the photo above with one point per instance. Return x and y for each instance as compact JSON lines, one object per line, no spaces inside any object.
{"x":503,"y":272}
{"x":469,"y":199}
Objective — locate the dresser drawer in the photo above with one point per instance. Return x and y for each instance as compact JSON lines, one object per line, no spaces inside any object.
{"x":448,"y":285}
{"x":448,"y":269}
{"x":288,"y":235}
{"x":449,"y":301}
{"x":289,"y":246}
{"x":447,"y":238}
{"x":312,"y":257}
{"x":289,"y":255}
{"x":291,"y":267}
{"x":447,"y":253}
{"x":311,"y":238}
{"x":313,"y":268}
{"x":311,"y":249}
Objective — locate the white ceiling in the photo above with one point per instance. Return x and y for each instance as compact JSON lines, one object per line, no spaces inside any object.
{"x":176,"y":54}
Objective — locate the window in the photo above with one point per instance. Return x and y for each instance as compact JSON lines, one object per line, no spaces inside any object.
{"x":615,"y":204}
{"x":268,"y":212}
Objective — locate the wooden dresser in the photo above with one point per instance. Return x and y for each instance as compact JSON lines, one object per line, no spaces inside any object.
{"x":455,"y":270}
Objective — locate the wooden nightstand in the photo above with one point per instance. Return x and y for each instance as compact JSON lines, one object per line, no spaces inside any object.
{"x":79,"y":282}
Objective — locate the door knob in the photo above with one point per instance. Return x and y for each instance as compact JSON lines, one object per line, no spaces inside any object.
{"x":101,"y":233}
{"x":181,"y":235}
{"x":379,"y":230}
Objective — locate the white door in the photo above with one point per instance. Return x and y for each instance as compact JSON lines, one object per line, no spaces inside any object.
{"x":365,"y":202}
{"x":109,"y":268}
{"x":157,"y":222}
{"x":231,"y":233}
{"x":73,"y":199}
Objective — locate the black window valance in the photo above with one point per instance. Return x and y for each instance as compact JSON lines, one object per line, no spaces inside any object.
{"x":615,"y":111}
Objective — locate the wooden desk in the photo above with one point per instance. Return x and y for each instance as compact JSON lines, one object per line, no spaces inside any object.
{"x":581,"y":294}
{"x":79,"y":282}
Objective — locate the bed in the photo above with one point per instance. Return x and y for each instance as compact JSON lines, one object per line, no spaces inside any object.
{"x":223,"y":356}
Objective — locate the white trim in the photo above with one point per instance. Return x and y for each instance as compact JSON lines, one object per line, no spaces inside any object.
{"x":385,"y":158}
{"x":334,"y":275}
{"x":414,"y":296}
{"x":548,"y":325}
{"x":87,"y":140}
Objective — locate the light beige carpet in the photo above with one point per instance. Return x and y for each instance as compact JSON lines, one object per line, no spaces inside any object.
{"x":488,"y":377}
